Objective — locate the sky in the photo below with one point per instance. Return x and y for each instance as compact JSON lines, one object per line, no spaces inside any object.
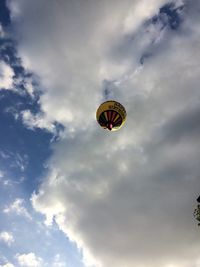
{"x":71,"y":193}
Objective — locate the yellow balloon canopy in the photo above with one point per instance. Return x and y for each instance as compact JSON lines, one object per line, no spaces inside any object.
{"x":111,"y":115}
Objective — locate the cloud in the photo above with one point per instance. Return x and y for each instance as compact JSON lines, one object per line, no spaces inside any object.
{"x":124,"y":198}
{"x":28,"y":84}
{"x":140,"y":12}
{"x":2,"y":33}
{"x":6,"y":76}
{"x":29,"y":260}
{"x":18,"y":207}
{"x":7,"y":265}
{"x":1,"y":174}
{"x":77,"y":68}
{"x":58,"y":262}
{"x":7,"y":237}
{"x":37,"y":121}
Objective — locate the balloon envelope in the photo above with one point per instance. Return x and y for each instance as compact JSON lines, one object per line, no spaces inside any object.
{"x":111,"y":115}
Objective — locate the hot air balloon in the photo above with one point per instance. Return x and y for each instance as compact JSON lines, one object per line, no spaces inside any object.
{"x":111,"y":115}
{"x":197,"y":214}
{"x":197,"y":211}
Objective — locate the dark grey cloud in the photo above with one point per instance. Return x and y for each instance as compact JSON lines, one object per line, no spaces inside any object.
{"x":183,"y":125}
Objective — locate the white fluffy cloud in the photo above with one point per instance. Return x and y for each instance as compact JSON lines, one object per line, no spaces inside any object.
{"x":75,"y":52}
{"x":7,"y":265}
{"x":58,"y":262}
{"x":6,"y":75}
{"x":17,"y":207}
{"x":37,"y":121}
{"x":29,"y":260}
{"x":7,"y":237}
{"x":125,"y":198}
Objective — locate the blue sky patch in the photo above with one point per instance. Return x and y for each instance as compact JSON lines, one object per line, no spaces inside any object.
{"x":169,"y":15}
{"x":4,"y":13}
